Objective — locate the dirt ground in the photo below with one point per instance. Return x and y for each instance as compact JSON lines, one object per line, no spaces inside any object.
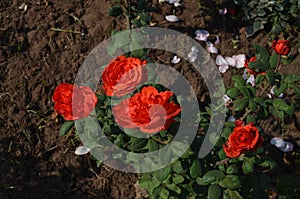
{"x":34,"y":58}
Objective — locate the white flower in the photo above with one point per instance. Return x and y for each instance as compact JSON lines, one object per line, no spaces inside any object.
{"x":81,"y":150}
{"x":226,"y":98}
{"x":172,"y":18}
{"x":281,"y":144}
{"x":175,"y":60}
{"x":201,"y":35}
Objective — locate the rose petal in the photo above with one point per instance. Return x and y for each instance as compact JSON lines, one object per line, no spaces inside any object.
{"x":251,"y":80}
{"x":239,"y":60}
{"x":81,"y":150}
{"x":201,"y":35}
{"x":223,"y":11}
{"x":281,"y":144}
{"x":230,"y":61}
{"x":217,"y":40}
{"x":223,"y":68}
{"x":212,"y":49}
{"x":175,"y":60}
{"x":226,"y":98}
{"x":221,"y":61}
{"x":172,"y":18}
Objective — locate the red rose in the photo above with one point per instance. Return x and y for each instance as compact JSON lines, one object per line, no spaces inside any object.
{"x":252,"y":59}
{"x":282,"y":47}
{"x":242,"y":139}
{"x":123,"y":75}
{"x":74,"y":102}
{"x":232,"y":11}
{"x":148,"y":110}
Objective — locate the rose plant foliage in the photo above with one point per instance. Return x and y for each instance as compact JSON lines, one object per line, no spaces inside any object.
{"x":239,"y":166}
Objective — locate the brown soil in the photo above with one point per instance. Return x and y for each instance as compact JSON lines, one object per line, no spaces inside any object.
{"x":35,"y":162}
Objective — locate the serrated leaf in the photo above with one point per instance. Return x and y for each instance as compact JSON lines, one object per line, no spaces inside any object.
{"x":139,"y":52}
{"x":250,"y":118}
{"x":233,"y":92}
{"x":232,"y":169}
{"x":273,"y":61}
{"x":270,"y":77}
{"x":261,"y":53}
{"x":238,"y":81}
{"x":65,"y":127}
{"x":257,"y":25}
{"x":283,"y":86}
{"x":196,"y":168}
{"x":252,"y":105}
{"x":164,"y":193}
{"x":214,"y":192}
{"x":222,"y":154}
{"x":259,"y":79}
{"x":240,"y":104}
{"x":245,"y":91}
{"x":122,"y":39}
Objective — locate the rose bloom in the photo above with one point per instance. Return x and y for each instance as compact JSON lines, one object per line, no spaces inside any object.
{"x":242,"y":139}
{"x":282,"y":47}
{"x":123,"y":75}
{"x":148,"y":110}
{"x":252,"y":59}
{"x":74,"y":102}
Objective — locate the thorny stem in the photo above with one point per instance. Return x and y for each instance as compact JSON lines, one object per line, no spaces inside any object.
{"x":245,"y":114}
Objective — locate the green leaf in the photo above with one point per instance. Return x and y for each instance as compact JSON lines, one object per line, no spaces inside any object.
{"x":238,"y":81}
{"x":261,"y":53}
{"x":196,"y":168}
{"x":212,"y":176}
{"x":281,"y":89}
{"x":240,"y":104}
{"x":165,"y":155}
{"x":122,"y":39}
{"x":270,"y":77}
{"x":174,"y":187}
{"x":136,"y":53}
{"x":259,"y":101}
{"x":164,"y":193}
{"x":115,"y":11}
{"x":177,"y":167}
{"x":230,"y":182}
{"x":163,"y":173}
{"x":233,"y":92}
{"x":280,"y":104}
{"x":259,"y":79}
{"x":65,"y":127}
{"x":257,"y":25}
{"x":177,"y":179}
{"x":269,"y":165}
{"x":250,"y":31}
{"x":252,"y":105}
{"x":233,"y":194}
{"x":214,"y":192}
{"x":222,"y":154}
{"x":232,"y":169}
{"x":258,"y":66}
{"x":273,"y":60}
{"x":248,"y":165}
{"x":250,"y":118}
{"x":245,"y":91}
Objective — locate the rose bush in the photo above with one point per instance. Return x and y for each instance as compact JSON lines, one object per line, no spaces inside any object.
{"x":148,"y":110}
{"x":123,"y":75}
{"x":281,"y":47}
{"x":74,"y":102}
{"x":242,"y":139}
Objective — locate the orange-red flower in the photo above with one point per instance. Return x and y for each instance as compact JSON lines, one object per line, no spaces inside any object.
{"x":148,"y":110}
{"x":123,"y":75}
{"x":281,"y":47}
{"x":252,"y":59}
{"x":242,"y":139}
{"x":74,"y":102}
